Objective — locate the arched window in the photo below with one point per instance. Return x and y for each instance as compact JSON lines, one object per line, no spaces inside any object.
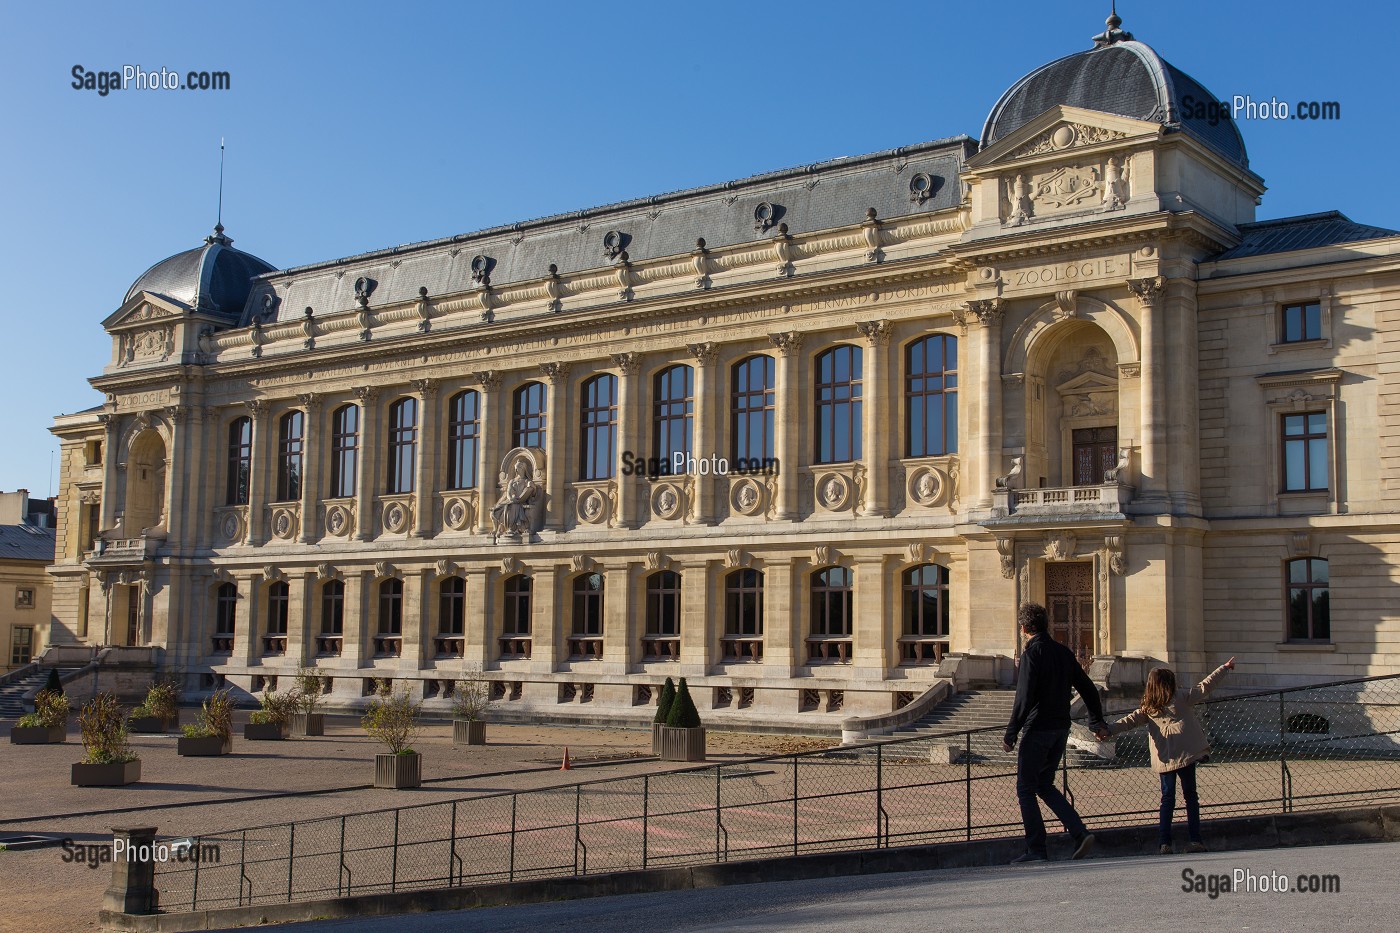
{"x":743,"y":616}
{"x":1309,"y":597}
{"x":838,"y":405}
{"x":662,"y":637}
{"x":753,"y":409}
{"x":240,"y":460}
{"x":599,"y":421}
{"x":931,"y":396}
{"x":515,"y":625}
{"x":345,"y":449}
{"x":389,"y":638}
{"x":332,"y":618}
{"x":289,"y":452}
{"x":528,"y":429}
{"x":403,"y":444}
{"x":832,"y":605}
{"x":464,"y":433}
{"x":452,"y":616}
{"x":586,"y":642}
{"x":279,"y":601}
{"x":924,"y":637}
{"x":674,"y":394}
{"x":225,"y":617}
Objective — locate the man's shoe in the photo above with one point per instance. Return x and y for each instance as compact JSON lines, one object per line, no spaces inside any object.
{"x":1029,"y":857}
{"x":1168,"y":850}
{"x":1083,"y":845}
{"x":1197,"y":847}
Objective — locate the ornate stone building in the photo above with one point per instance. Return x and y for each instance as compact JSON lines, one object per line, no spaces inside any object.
{"x":1060,"y":363}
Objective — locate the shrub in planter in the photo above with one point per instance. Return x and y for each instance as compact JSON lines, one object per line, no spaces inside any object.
{"x":108,"y":760}
{"x":53,"y":684}
{"x":307,"y":690}
{"x":269,"y":724}
{"x":470,"y":697}
{"x":663,"y":709}
{"x":683,"y":737}
{"x":47,"y":725}
{"x":212,"y":734}
{"x":392,"y":718}
{"x":159,"y":711}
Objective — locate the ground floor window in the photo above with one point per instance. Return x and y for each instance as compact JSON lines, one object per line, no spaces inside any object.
{"x":21,"y":645}
{"x":924,"y":635}
{"x":743,"y":616}
{"x":515,"y":625}
{"x":586,"y":639}
{"x":662,"y":639}
{"x":1309,"y":597}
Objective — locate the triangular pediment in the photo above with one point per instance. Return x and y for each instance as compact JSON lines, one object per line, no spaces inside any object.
{"x":1063,"y":129}
{"x":144,"y":308}
{"x":1088,"y":382}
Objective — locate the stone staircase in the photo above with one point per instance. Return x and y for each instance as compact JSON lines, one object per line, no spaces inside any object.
{"x":12,"y":691}
{"x":961,"y":712}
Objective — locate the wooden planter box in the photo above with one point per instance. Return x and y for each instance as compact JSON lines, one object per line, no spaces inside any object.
{"x":304,"y":724}
{"x":398,"y":771}
{"x":152,"y":725}
{"x":265,"y":731}
{"x":116,"y":774}
{"x":682,"y":744}
{"x":468,"y":732}
{"x":203,"y":747}
{"x":38,"y":735}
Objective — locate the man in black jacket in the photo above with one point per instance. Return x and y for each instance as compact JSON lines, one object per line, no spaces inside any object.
{"x":1048,"y":671}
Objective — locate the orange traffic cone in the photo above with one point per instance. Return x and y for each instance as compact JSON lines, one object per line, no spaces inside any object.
{"x":566,"y":766}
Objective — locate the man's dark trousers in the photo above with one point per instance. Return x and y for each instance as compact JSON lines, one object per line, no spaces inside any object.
{"x":1037,"y":760}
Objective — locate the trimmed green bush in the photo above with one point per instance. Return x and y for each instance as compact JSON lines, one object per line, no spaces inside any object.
{"x":663,"y":704}
{"x":683,"y":713}
{"x":53,"y":684}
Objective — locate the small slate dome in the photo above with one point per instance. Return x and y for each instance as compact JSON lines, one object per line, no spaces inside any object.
{"x":1120,"y":76}
{"x":214,"y":277}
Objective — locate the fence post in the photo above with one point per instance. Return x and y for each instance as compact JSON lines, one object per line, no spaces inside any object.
{"x":452,"y":850}
{"x":132,"y":889}
{"x":717,"y":812}
{"x":879,"y":790}
{"x":514,"y":800}
{"x":194,"y":892}
{"x":967,"y":778}
{"x":291,"y":856}
{"x":578,"y":803}
{"x":794,"y":804}
{"x":646,"y":808}
{"x":1282,"y":756}
{"x":394,"y":878}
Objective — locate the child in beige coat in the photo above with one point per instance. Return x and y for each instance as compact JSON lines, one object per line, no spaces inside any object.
{"x":1178,"y":743}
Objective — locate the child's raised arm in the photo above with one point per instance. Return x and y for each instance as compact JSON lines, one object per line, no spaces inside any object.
{"x":1129,"y":722}
{"x":1203,"y":689}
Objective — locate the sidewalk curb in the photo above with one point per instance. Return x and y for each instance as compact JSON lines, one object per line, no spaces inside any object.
{"x":1266,"y":831}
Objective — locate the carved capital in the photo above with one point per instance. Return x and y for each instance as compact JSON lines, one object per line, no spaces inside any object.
{"x":311,"y":401}
{"x":555,"y":372}
{"x":788,"y":343}
{"x":488,"y":379}
{"x":1147,"y":290}
{"x":1006,"y":547}
{"x":367,"y":395}
{"x":704,"y":353}
{"x":257,"y":407}
{"x":628,"y":363}
{"x":427,"y":388}
{"x":876,"y":333}
{"x":987,"y":310}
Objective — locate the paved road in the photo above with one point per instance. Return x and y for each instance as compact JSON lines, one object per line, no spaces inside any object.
{"x":1142,"y":893}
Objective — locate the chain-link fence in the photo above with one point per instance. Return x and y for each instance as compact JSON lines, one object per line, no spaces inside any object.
{"x":1313,"y":747}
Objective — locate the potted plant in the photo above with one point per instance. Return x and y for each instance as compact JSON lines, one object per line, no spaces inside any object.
{"x":683,"y":738}
{"x":160,"y":711}
{"x":393,"y":719}
{"x":212,"y":734}
{"x":305,"y":719}
{"x":663,"y":709}
{"x":47,"y":725}
{"x":470,"y":697}
{"x":107,"y":759}
{"x":269,"y":724}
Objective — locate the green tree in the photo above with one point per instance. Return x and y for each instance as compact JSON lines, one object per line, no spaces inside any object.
{"x":53,"y":684}
{"x":663,"y":703}
{"x":683,"y":712}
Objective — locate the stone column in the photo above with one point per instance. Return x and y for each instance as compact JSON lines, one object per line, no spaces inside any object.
{"x":133,"y":886}
{"x":357,"y":644}
{"x":495,"y":435}
{"x":418,"y":612}
{"x":632,"y":416}
{"x":367,"y":469}
{"x":875,"y":619}
{"x":247,"y":632}
{"x":306,"y":624}
{"x":622,"y":625}
{"x":699,"y":634}
{"x":428,"y":464}
{"x":783,"y":619}
{"x":547,"y":638}
{"x":1152,"y":460}
{"x":988,"y":312}
{"x":559,"y":447}
{"x":876,"y":399}
{"x":313,"y":466}
{"x":478,"y":630}
{"x":260,"y":472}
{"x":787,"y":432}
{"x":709,"y":416}
{"x":110,"y":458}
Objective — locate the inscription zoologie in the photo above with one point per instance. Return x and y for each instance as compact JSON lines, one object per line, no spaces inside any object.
{"x":1064,"y":273}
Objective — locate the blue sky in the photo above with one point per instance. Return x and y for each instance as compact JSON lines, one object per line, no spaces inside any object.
{"x":353,"y":126}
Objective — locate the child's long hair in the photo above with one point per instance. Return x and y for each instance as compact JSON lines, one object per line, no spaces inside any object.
{"x":1160,"y":689}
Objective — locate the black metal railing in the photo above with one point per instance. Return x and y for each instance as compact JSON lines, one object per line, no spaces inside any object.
{"x":1303,"y":748}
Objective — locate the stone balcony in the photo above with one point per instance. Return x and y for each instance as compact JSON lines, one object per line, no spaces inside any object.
{"x":1059,"y":503}
{"x":123,"y":551}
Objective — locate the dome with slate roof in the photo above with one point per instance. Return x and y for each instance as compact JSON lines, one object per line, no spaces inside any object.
{"x":213,"y":277}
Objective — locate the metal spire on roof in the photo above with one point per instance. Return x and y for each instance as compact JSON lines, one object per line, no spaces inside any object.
{"x":218,"y":234}
{"x":1112,"y":34}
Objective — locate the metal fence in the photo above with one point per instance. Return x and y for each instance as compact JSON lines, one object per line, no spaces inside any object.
{"x":1306,"y":748}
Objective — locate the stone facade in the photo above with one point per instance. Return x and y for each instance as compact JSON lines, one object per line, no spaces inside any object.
{"x":1116,"y":391}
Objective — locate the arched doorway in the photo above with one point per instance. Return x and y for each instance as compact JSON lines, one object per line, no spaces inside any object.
{"x":145,"y":484}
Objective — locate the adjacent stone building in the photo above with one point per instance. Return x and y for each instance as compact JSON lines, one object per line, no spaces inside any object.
{"x":1062,"y":362}
{"x":26,"y":550}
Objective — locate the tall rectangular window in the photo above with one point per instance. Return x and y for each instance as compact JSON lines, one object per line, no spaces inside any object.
{"x":599,"y":422}
{"x":1309,"y":600}
{"x":403,"y":445}
{"x":464,"y":433}
{"x":289,"y":456}
{"x":529,"y":421}
{"x":674,"y":393}
{"x":753,"y":409}
{"x":838,"y":413}
{"x":1302,"y":322}
{"x":931,"y":396}
{"x":1305,"y":452}
{"x":240,"y":461}
{"x":345,"y":449}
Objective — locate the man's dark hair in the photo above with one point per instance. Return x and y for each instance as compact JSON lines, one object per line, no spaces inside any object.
{"x":1033,"y":618}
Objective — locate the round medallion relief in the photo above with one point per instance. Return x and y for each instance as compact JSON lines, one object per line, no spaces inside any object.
{"x":283,"y":524}
{"x":591,"y":506}
{"x":928,"y":486}
{"x":338,"y":521}
{"x":666,"y":501}
{"x":833,"y":491}
{"x":231,"y":526}
{"x":747,"y":497}
{"x":457,"y":514}
{"x":1062,"y":138}
{"x":395,"y":517}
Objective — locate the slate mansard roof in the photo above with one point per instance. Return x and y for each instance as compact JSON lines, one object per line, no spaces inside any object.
{"x":214,"y":277}
{"x":26,"y":542}
{"x":1305,"y":231}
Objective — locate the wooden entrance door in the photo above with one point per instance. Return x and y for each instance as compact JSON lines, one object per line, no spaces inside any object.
{"x":1095,"y":452}
{"x":1069,"y":597}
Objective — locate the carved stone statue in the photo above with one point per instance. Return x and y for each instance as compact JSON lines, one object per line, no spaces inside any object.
{"x":510,"y":516}
{"x":1010,"y":480}
{"x":1019,"y":196}
{"x":1114,"y":193}
{"x":1119,"y":472}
